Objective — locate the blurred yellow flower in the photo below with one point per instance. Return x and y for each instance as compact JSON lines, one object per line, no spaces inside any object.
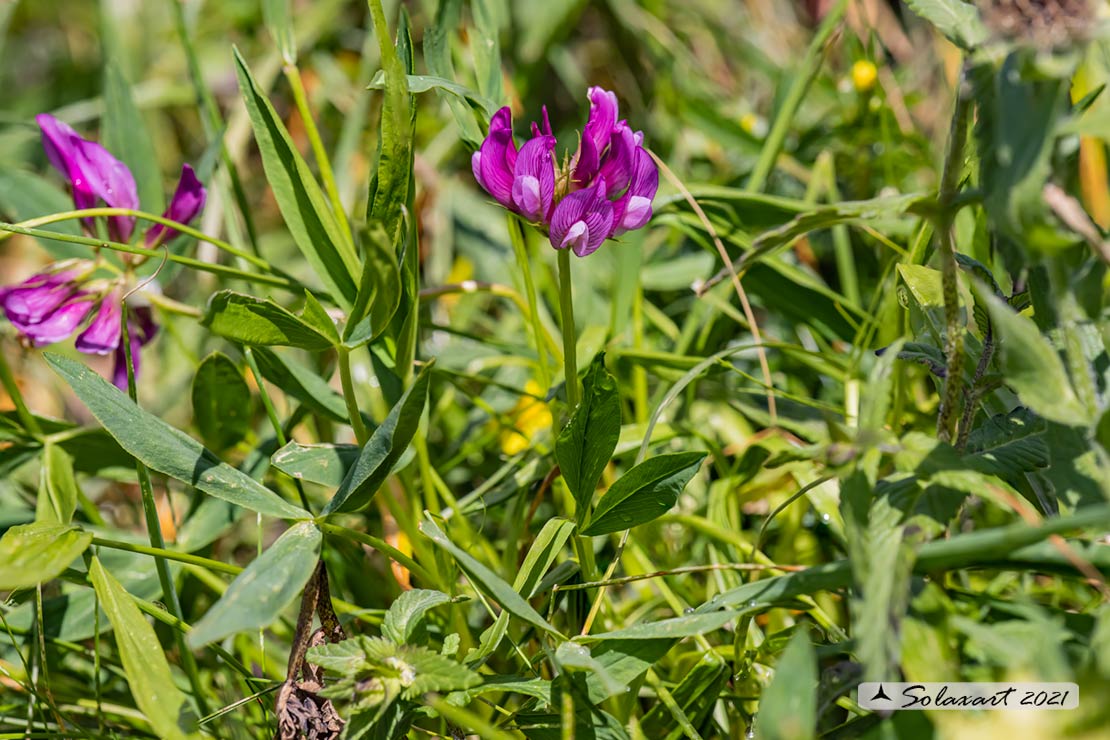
{"x":864,"y":75}
{"x":530,"y":417}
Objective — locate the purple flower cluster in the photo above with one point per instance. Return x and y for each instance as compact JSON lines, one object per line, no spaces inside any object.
{"x":50,"y":306}
{"x":604,"y":190}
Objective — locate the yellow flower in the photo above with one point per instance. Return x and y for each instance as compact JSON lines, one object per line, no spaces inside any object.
{"x":530,"y":417}
{"x":754,"y":124}
{"x":864,"y":75}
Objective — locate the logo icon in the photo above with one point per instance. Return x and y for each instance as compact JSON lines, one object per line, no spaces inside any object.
{"x":880,"y":694}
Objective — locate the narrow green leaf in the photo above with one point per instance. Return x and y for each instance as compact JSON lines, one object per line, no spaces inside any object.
{"x":279,"y":22}
{"x":788,"y":708}
{"x":924,"y":284}
{"x":1031,"y":366}
{"x":258,"y":322}
{"x":644,"y":493}
{"x":486,"y":581}
{"x":302,"y":203}
{"x":301,"y":383}
{"x":261,"y":593}
{"x":696,"y":696}
{"x":586,"y":444}
{"x":404,"y":621}
{"x":957,"y":20}
{"x":166,"y":449}
{"x":316,"y":316}
{"x":125,"y":135}
{"x":324,"y":464}
{"x":25,"y":195}
{"x":385,"y":447}
{"x":58,"y":487}
{"x":676,"y":627}
{"x":144,"y":662}
{"x":437,"y":55}
{"x":221,"y":402}
{"x":379,"y":291}
{"x":31,"y":554}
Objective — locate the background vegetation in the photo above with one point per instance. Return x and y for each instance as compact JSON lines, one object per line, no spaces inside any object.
{"x":904,"y":474}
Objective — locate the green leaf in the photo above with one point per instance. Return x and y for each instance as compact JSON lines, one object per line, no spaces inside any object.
{"x":958,"y":21}
{"x":924,"y":354}
{"x":416,"y":670}
{"x":644,"y":493}
{"x":258,"y":322}
{"x":301,"y":201}
{"x":144,"y":662}
{"x":125,"y":134}
{"x":1031,"y":366}
{"x":404,"y":621}
{"x":788,"y":707}
{"x":25,"y":195}
{"x":384,"y":448}
{"x":696,"y":696}
{"x":165,"y":449}
{"x":437,"y":55}
{"x":924,"y":284}
{"x":379,"y":291}
{"x":221,"y":402}
{"x":31,"y":554}
{"x":1010,"y":443}
{"x":58,"y":487}
{"x":389,"y":185}
{"x":279,"y":22}
{"x":325,"y":464}
{"x":486,"y":581}
{"x":586,"y":444}
{"x":676,"y":627}
{"x":456,"y":93}
{"x":262,"y":592}
{"x":316,"y":316}
{"x":301,"y":383}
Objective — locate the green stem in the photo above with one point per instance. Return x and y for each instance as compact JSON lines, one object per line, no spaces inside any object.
{"x":195,"y":264}
{"x":161,"y":552}
{"x":154,"y":532}
{"x":26,"y":418}
{"x":300,"y":99}
{"x":381,"y":546}
{"x":357,"y":424}
{"x":176,"y":226}
{"x":275,"y":423}
{"x":520,"y":250}
{"x":953,"y":336}
{"x":570,"y":336}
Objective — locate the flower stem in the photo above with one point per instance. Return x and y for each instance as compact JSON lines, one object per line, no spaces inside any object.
{"x":520,"y":250}
{"x":570,"y":336}
{"x":275,"y":423}
{"x":361,"y":434}
{"x":953,"y":332}
{"x":26,"y":418}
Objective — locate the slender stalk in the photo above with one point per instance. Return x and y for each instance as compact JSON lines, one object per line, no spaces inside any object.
{"x":157,"y":541}
{"x":300,"y":99}
{"x":26,"y":418}
{"x":359,"y":427}
{"x":520,"y":250}
{"x":195,"y":264}
{"x":185,"y":229}
{"x":570,"y":336}
{"x":180,"y":557}
{"x":275,"y":423}
{"x":953,"y":337}
{"x":381,"y":546}
{"x":974,"y":393}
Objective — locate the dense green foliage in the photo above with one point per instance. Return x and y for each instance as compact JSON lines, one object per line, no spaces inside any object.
{"x":844,"y":402}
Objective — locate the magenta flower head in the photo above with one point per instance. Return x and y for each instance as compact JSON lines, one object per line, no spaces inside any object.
{"x":605,"y":189}
{"x":187,"y":201}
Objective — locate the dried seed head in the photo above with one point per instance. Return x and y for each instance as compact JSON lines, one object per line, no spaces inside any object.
{"x":1045,"y":24}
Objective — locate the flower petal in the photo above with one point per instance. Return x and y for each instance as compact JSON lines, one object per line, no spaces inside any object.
{"x":119,"y":369}
{"x":534,"y":179}
{"x":634,"y":209}
{"x":619,"y":161}
{"x":188,"y":200}
{"x":497,"y":158}
{"x":603,"y":118}
{"x":31,"y":301}
{"x":582,"y":220}
{"x":59,"y":324}
{"x":102,"y":335}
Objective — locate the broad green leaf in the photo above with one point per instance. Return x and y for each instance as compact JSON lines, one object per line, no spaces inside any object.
{"x":279,"y":22}
{"x":389,"y":184}
{"x":325,"y":464}
{"x":404,"y":621}
{"x":262,"y":592}
{"x":572,"y":656}
{"x":57,"y":486}
{"x":876,"y":402}
{"x":166,"y":449}
{"x":924,"y":354}
{"x":299,"y":197}
{"x":788,"y":707}
{"x":676,"y":627}
{"x":125,"y":134}
{"x":586,"y":444}
{"x":536,"y":687}
{"x":625,"y":661}
{"x":144,"y":661}
{"x":644,"y":493}
{"x":1031,"y":366}
{"x":221,"y":402}
{"x":924,"y":284}
{"x":1010,"y":443}
{"x":384,"y":448}
{"x":486,"y":581}
{"x":258,"y":322}
{"x":315,"y":315}
{"x":415,"y":669}
{"x":301,"y":383}
{"x":31,"y":554}
{"x":959,"y":21}
{"x":379,"y":291}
